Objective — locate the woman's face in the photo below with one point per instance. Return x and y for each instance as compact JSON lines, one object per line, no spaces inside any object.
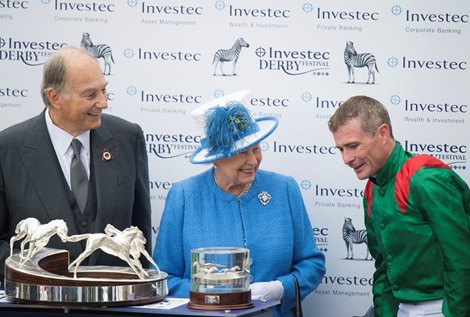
{"x":240,"y":168}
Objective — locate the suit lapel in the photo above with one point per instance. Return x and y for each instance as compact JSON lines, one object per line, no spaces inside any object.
{"x":48,"y":179}
{"x":105,"y":171}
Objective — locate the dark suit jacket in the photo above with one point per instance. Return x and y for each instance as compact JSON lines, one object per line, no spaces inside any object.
{"x":32,"y":183}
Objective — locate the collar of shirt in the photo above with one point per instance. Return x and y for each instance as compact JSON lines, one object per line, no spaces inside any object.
{"x":61,"y":141}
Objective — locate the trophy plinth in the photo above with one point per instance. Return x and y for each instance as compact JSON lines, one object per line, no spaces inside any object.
{"x":220,"y":301}
{"x":220,"y":279}
{"x":45,"y":278}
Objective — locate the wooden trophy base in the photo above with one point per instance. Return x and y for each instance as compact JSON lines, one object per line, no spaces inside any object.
{"x":220,"y":301}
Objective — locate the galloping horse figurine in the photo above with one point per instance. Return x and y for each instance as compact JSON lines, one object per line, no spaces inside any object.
{"x":38,"y":235}
{"x":24,"y":230}
{"x":127,"y":245}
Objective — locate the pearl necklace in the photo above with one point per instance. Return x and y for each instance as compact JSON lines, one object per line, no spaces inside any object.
{"x":244,"y":191}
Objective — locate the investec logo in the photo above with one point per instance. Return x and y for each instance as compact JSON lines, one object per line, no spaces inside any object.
{"x":258,"y":12}
{"x":308,"y":149}
{"x":270,"y":102}
{"x":431,"y":64}
{"x":453,"y":155}
{"x":164,"y":56}
{"x":83,"y":6}
{"x":355,"y":15}
{"x":160,"y":185}
{"x":170,"y":10}
{"x":441,"y":17}
{"x":294,"y":62}
{"x":159,"y":190}
{"x":13,"y":92}
{"x":347,"y":280}
{"x":434,"y":107}
{"x":14,"y":4}
{"x":167,"y":146}
{"x":158,"y":97}
{"x":31,"y":53}
{"x":338,"y":192}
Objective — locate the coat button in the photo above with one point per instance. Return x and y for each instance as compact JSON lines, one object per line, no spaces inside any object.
{"x":84,"y":224}
{"x":382,"y":225}
{"x":389,"y":258}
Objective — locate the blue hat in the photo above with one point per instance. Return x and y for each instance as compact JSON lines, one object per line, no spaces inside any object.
{"x":229,"y":128}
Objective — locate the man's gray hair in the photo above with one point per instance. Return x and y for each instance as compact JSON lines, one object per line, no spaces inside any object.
{"x":370,"y":112}
{"x":55,"y":72}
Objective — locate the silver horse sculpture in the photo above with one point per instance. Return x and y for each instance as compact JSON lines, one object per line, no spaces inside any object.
{"x":37,"y":235}
{"x":24,"y":230}
{"x":127,"y":245}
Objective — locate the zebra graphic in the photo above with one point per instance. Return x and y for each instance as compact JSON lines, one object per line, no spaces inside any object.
{"x":352,"y":236}
{"x":98,"y":51}
{"x":352,"y":60}
{"x":231,"y":54}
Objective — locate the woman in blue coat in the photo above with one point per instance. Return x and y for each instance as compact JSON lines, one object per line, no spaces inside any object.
{"x":235,"y":204}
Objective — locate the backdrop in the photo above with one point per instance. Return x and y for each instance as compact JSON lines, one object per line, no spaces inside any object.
{"x":164,"y":58}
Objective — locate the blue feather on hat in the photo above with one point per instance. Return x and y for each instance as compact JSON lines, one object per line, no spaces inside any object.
{"x":226,"y":125}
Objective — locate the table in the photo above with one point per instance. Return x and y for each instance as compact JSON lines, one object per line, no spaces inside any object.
{"x":170,"y":307}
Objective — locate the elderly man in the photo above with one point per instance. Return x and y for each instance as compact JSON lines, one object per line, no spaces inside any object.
{"x":73,"y":162}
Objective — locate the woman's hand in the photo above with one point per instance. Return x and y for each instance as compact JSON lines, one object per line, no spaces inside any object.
{"x":267,"y":290}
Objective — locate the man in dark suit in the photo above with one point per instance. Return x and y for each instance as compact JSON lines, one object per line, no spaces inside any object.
{"x":36,"y":155}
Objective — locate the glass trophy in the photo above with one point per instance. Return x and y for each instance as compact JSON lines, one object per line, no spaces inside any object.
{"x":220,"y":278}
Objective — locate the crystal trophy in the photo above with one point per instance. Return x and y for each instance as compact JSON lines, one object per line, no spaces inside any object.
{"x":220,"y":278}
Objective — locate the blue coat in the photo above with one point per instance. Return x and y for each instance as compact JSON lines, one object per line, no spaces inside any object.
{"x":279,"y":235}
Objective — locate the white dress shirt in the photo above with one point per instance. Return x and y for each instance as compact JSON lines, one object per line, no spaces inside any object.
{"x":61,"y":141}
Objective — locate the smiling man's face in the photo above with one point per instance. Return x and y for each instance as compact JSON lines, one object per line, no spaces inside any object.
{"x":363,"y":152}
{"x":79,"y":107}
